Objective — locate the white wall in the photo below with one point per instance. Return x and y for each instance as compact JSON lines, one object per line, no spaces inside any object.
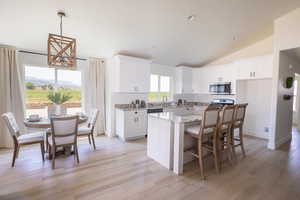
{"x":257,"y":93}
{"x":41,"y":60}
{"x":162,"y":69}
{"x":260,"y":48}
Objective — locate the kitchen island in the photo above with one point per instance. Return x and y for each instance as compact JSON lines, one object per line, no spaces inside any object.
{"x":166,"y":140}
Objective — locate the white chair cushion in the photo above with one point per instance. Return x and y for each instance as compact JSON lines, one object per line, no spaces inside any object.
{"x":62,"y":140}
{"x":84,"y":130}
{"x":196,"y":128}
{"x":31,"y":137}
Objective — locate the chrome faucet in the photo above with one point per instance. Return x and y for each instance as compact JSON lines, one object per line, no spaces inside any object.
{"x":164,"y":101}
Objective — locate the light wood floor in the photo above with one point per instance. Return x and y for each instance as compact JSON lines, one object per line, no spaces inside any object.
{"x":122,"y":171}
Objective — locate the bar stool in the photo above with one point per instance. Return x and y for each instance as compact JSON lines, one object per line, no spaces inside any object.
{"x":238,"y":123}
{"x":207,"y":136}
{"x":224,"y":130}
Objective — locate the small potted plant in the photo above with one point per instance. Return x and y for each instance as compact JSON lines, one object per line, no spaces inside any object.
{"x":58,"y":98}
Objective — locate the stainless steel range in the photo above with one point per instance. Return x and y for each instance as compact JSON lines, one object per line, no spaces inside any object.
{"x":222,"y":102}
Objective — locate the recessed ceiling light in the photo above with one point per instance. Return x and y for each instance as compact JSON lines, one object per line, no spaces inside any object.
{"x":191,"y":17}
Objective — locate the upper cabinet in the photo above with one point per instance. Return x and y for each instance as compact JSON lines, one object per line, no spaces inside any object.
{"x":255,"y":68}
{"x":204,"y":76}
{"x":130,"y":74}
{"x":183,"y":80}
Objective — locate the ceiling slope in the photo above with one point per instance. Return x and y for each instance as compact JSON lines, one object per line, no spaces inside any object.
{"x":158,"y":29}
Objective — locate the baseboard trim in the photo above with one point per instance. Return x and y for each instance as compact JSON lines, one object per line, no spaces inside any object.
{"x":255,"y":137}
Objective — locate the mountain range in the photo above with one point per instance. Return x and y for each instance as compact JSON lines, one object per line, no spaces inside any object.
{"x":40,"y":82}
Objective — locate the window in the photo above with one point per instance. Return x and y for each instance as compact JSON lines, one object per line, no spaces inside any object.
{"x":41,"y":80}
{"x":295,"y":95}
{"x":160,"y":87}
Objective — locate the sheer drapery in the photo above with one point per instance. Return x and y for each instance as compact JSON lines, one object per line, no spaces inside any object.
{"x":93,"y":83}
{"x":11,"y":91}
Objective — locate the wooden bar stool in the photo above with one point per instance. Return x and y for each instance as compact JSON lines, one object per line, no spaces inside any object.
{"x":240,"y":111}
{"x":207,"y":136}
{"x":224,"y":130}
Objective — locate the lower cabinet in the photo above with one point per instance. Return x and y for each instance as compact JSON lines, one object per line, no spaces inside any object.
{"x":130,"y":124}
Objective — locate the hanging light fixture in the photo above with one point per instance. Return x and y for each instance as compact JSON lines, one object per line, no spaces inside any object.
{"x":61,"y":49}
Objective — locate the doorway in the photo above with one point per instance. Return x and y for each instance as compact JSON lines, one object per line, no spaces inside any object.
{"x":289,"y":102}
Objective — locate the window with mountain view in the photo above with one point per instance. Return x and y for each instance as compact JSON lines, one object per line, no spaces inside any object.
{"x":40,"y":81}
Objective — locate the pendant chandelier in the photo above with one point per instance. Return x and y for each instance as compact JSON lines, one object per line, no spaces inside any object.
{"x":61,"y":49}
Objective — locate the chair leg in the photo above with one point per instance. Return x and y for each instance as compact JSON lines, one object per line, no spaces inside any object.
{"x":89,"y":136}
{"x":18,"y":150}
{"x":53,"y":156}
{"x":76,"y":152}
{"x":233,"y":145}
{"x":216,"y":155}
{"x":242,"y":141}
{"x":200,"y":154}
{"x":49,"y":152}
{"x":14,"y":155}
{"x":93,"y":140}
{"x":43,"y":151}
{"x":229,"y":147}
{"x":47,"y":145}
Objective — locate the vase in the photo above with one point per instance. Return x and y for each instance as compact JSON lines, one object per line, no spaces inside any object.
{"x":56,"y":110}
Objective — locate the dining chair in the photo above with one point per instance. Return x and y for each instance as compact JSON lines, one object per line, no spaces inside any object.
{"x":238,"y":122}
{"x":207,"y":136}
{"x":22,"y":139}
{"x":224,"y":130}
{"x":63,"y":134}
{"x":88,"y":130}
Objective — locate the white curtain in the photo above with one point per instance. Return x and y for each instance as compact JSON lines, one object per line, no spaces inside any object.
{"x":93,"y":82}
{"x":11,"y":92}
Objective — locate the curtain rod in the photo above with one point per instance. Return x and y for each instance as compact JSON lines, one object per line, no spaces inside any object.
{"x":43,"y":54}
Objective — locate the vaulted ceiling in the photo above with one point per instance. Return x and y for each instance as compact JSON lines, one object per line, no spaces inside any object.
{"x":158,"y":29}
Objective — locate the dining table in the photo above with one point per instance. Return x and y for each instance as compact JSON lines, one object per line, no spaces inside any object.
{"x":45,"y":123}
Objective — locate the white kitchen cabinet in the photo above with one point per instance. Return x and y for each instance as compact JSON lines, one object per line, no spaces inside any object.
{"x":131,"y":124}
{"x":255,"y":68}
{"x":204,"y":76}
{"x":132,"y":75}
{"x":184,"y":80}
{"x":265,"y":67}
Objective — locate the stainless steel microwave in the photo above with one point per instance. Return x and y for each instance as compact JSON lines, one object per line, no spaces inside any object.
{"x":220,"y":88}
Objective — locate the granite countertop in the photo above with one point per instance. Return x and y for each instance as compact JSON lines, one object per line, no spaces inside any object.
{"x":180,"y":117}
{"x":126,"y":107}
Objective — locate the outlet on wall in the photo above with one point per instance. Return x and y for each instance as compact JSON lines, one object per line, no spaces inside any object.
{"x":266,"y":129}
